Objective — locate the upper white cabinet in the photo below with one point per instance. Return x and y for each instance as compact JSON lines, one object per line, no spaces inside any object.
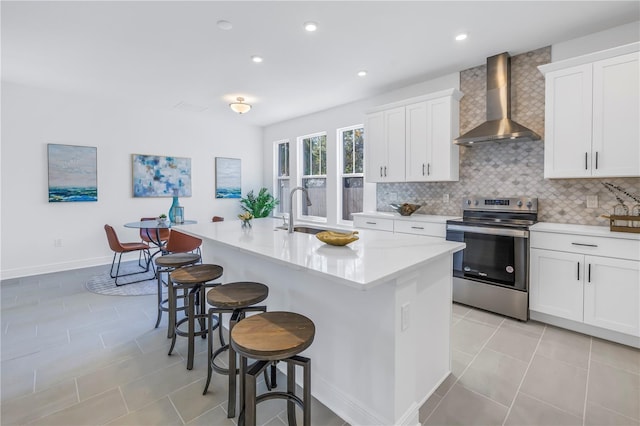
{"x":591,"y":115}
{"x":412,"y":140}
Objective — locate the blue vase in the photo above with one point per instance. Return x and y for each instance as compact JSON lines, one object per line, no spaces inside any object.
{"x":172,"y":210}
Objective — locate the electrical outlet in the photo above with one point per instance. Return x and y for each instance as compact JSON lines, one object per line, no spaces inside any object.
{"x":57,"y":242}
{"x":445,"y":198}
{"x":405,"y":316}
{"x":592,"y":201}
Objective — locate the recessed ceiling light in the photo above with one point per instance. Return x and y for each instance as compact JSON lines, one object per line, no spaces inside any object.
{"x":224,"y":25}
{"x":257,"y":59}
{"x":362,"y":73}
{"x":310,"y":26}
{"x":461,"y":36}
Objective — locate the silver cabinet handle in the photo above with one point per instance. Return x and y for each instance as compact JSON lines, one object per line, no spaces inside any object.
{"x":428,"y":169}
{"x":371,"y":223}
{"x":422,"y":169}
{"x":417,"y":227}
{"x":385,"y":171}
{"x":380,"y":171}
{"x":585,"y":245}
{"x":585,"y":161}
{"x":596,"y":160}
{"x":589,"y":273}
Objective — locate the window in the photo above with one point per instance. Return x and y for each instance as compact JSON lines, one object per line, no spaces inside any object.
{"x":282,"y":176}
{"x":314,"y":173}
{"x":351,"y":146}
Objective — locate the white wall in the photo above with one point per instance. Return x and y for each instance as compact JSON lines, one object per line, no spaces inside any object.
{"x":595,"y":42}
{"x":332,"y":119}
{"x":32,"y":118}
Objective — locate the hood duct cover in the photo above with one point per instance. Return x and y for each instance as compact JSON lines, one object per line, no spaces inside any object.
{"x":499,"y":125}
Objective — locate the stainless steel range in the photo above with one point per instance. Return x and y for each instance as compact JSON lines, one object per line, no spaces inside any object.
{"x":492,"y":272}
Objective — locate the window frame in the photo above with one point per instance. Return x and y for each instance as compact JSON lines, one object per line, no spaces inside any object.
{"x":301,"y":176}
{"x":341,"y":175}
{"x":279,"y":211}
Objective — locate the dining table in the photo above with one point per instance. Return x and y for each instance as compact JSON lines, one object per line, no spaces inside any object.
{"x":154,"y":227}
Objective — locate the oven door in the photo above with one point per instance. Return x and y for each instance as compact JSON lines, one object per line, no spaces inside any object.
{"x":493,"y":255}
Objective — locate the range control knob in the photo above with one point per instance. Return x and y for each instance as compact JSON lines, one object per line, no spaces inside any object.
{"x":529,"y":204}
{"x":468,"y":202}
{"x":475,"y":202}
{"x":519,"y":203}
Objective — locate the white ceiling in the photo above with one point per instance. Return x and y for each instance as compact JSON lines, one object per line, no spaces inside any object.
{"x":168,"y":52}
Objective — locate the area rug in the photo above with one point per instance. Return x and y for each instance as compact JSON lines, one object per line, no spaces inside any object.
{"x":104,"y":284}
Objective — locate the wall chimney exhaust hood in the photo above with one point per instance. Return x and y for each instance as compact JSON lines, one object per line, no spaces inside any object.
{"x":499,"y":126}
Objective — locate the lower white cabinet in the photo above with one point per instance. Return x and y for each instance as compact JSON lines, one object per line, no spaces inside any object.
{"x":365,"y":222}
{"x":569,"y":279}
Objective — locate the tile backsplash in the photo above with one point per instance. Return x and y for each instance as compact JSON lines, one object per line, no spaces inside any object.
{"x":505,"y":169}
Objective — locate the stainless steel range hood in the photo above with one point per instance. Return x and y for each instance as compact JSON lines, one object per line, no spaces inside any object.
{"x":499,"y":126}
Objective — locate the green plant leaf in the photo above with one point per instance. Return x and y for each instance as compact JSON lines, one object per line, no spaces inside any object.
{"x":260,"y":206}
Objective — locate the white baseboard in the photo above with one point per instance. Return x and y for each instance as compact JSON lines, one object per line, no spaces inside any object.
{"x":6,"y":274}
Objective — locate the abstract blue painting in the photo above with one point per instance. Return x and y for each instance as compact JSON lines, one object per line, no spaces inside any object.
{"x":73,"y":173}
{"x":228,"y":178}
{"x":158,"y":176}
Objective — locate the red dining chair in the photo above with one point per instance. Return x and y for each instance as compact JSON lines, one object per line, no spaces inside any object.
{"x":154,"y":235}
{"x":120,"y":248}
{"x":180,"y":242}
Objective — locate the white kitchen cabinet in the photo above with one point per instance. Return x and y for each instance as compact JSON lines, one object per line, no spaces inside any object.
{"x":412,"y":140}
{"x":431,"y":127}
{"x":385,"y":145}
{"x":365,"y":222}
{"x":591,"y":280}
{"x":591,"y":113}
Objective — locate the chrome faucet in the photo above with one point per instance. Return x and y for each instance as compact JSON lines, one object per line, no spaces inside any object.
{"x":291,"y":204}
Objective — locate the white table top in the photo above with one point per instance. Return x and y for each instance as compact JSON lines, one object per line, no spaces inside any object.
{"x":378,"y":256}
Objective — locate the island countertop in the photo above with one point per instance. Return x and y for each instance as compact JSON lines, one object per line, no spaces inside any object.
{"x":376,"y":257}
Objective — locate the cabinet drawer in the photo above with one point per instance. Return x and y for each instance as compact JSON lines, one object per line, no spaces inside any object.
{"x":373,"y":223}
{"x":420,"y":228}
{"x":597,"y":246}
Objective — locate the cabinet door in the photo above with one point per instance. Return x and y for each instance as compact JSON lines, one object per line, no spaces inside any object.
{"x":442,"y":153}
{"x":394,"y":123}
{"x":616,"y":108}
{"x":417,"y":166}
{"x":612,"y":294}
{"x":556,"y":283}
{"x":568,"y":122}
{"x":375,"y":147}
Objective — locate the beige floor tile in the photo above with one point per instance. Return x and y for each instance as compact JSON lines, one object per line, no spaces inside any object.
{"x":320,"y":414}
{"x":528,"y":411}
{"x":98,"y":410}
{"x":564,"y":345}
{"x":157,"y":385}
{"x":460,"y":310}
{"x":596,"y":415}
{"x":469,"y":336}
{"x":190,"y":402}
{"x":30,"y":407}
{"x":216,"y":416}
{"x":557,"y":383}
{"x":531,"y":326}
{"x":464,"y":407}
{"x":494,"y":375}
{"x":121,"y":373}
{"x":427,"y":408}
{"x":484,"y":317}
{"x":616,"y":355}
{"x":517,"y":342}
{"x":615,"y":389}
{"x":157,"y":413}
{"x":459,"y":362}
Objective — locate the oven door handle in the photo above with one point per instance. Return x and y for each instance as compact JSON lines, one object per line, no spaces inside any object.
{"x":490,"y":231}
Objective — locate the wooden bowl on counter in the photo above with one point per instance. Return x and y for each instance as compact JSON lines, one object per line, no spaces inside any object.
{"x":337,"y":238}
{"x":405,"y":209}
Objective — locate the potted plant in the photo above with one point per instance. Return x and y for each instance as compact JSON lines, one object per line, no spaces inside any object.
{"x":162,"y":219}
{"x":261,"y":205}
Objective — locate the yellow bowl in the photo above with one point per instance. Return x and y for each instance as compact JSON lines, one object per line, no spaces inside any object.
{"x":337,"y":238}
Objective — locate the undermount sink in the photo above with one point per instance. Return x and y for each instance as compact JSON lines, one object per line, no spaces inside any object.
{"x":303,"y":229}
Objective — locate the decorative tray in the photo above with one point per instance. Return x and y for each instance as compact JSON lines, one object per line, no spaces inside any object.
{"x":337,"y":238}
{"x":633,"y":223}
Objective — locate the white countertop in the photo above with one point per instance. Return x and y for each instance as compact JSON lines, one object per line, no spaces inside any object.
{"x":376,"y":257}
{"x":414,"y":217}
{"x":586,"y":230}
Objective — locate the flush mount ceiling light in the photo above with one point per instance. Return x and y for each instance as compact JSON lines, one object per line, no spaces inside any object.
{"x":240,"y":107}
{"x":461,"y":36}
{"x":224,"y":25}
{"x":310,"y":26}
{"x":257,"y":59}
{"x":362,"y":73}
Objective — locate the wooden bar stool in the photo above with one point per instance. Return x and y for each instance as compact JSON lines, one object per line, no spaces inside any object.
{"x":194,"y":279}
{"x":168,"y":263}
{"x":269,"y":337}
{"x":237,"y":299}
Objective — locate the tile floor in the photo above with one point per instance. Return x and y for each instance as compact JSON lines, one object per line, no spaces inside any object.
{"x":71,"y":357}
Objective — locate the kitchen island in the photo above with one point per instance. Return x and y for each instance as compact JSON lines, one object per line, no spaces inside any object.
{"x":381,"y":306}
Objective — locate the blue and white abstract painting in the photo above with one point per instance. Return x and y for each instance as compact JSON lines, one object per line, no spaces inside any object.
{"x":159,"y":176}
{"x":73,"y":173}
{"x":228,"y":178}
